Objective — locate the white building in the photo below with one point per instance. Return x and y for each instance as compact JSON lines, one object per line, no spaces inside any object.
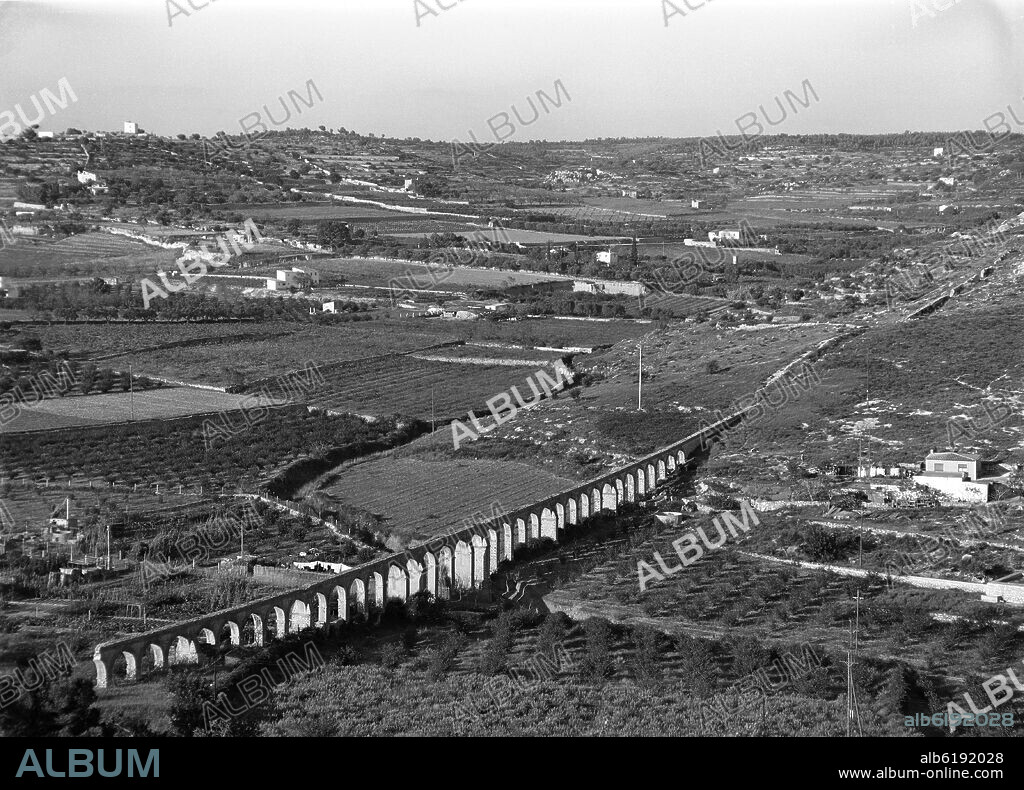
{"x":940,"y":151}
{"x":85,"y":177}
{"x":131,"y":127}
{"x":44,"y":135}
{"x":717,"y":236}
{"x":619,"y":287}
{"x":955,"y":475}
{"x":299,"y":278}
{"x":608,"y":257}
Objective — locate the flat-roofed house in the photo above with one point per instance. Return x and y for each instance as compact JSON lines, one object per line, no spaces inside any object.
{"x":959,"y":463}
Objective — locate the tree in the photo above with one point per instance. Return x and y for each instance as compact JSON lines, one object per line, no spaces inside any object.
{"x":189,"y":691}
{"x":86,"y":378}
{"x":62,"y":708}
{"x":332,"y":233}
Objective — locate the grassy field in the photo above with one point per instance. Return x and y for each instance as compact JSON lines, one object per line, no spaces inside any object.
{"x":422,"y":497}
{"x":117,"y":407}
{"x":312,"y":211}
{"x":604,"y":428}
{"x":896,"y":392}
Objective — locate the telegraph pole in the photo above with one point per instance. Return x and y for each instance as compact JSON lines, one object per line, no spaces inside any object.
{"x":640,"y":385}
{"x":131,"y":390}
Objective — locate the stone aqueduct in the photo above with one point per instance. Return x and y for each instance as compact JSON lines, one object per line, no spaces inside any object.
{"x":464,"y":558}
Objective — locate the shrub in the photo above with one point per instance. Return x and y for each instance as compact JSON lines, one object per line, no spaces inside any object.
{"x":425,"y":607}
{"x":496,"y":654}
{"x":442,"y":659}
{"x":552,"y":632}
{"x":749,"y":655}
{"x":347,"y":656}
{"x":896,"y":690}
{"x":391,"y":655}
{"x":597,"y":663}
{"x":394,"y":611}
{"x":698,"y":664}
{"x":647,"y":650}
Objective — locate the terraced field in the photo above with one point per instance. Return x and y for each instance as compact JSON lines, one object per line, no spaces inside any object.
{"x":87,"y":254}
{"x":682,"y":305}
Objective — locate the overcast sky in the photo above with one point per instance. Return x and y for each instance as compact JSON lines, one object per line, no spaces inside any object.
{"x":408,"y":68}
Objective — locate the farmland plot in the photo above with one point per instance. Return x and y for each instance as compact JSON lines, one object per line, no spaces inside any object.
{"x":83,"y":255}
{"x":408,"y":386}
{"x":417,"y":275}
{"x":102,"y":340}
{"x":233,"y":362}
{"x":117,"y":407}
{"x":428,"y":497}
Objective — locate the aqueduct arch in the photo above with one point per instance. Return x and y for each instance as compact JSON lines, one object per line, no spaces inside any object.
{"x":548,"y":526}
{"x":398,"y":583}
{"x":477,"y":551}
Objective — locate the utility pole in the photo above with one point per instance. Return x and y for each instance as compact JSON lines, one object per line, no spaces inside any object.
{"x":108,"y":547}
{"x":640,"y":385}
{"x":852,"y":706}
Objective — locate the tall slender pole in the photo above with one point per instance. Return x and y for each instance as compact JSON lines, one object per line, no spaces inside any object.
{"x":108,"y":547}
{"x":640,"y":385}
{"x":131,"y":390}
